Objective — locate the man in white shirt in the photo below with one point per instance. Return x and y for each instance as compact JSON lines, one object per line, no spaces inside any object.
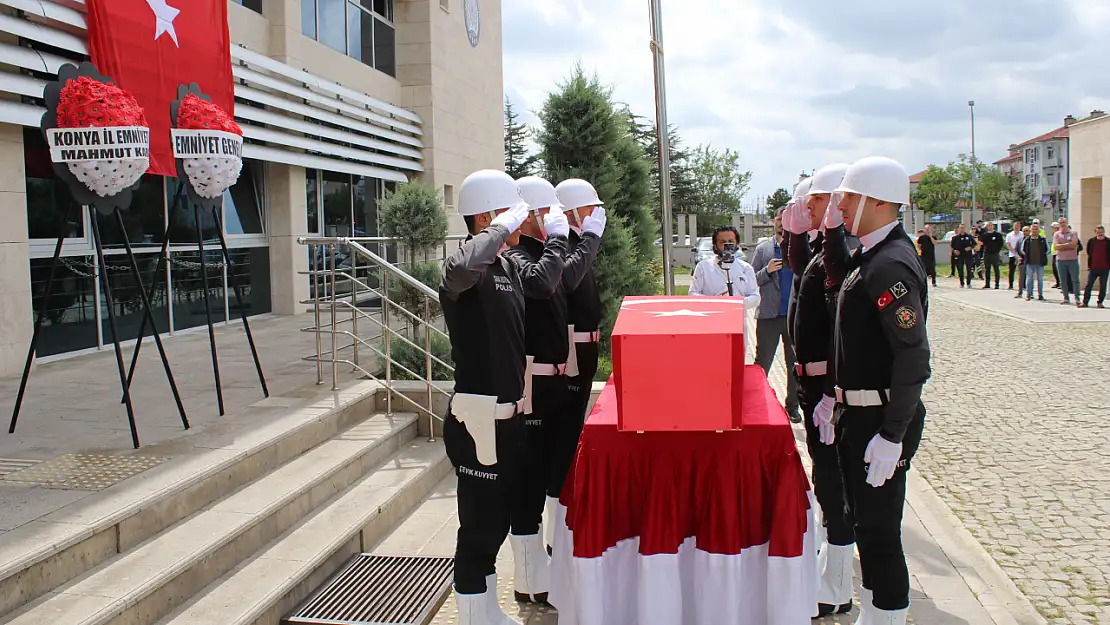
{"x":1013,"y":244}
{"x":713,"y":275}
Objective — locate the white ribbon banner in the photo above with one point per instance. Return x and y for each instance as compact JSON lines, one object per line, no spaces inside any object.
{"x":76,"y":145}
{"x":206,"y":144}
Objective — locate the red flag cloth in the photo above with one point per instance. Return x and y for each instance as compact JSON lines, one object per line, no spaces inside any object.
{"x":150,"y":47}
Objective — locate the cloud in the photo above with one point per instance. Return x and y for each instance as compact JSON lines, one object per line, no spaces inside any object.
{"x":795,"y":84}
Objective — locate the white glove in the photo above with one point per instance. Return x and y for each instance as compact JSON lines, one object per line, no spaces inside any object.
{"x":595,"y":222}
{"x":833,"y":218}
{"x":798,"y":220}
{"x":555,"y":224}
{"x":883,"y":456}
{"x":512,"y":218}
{"x":822,"y":418}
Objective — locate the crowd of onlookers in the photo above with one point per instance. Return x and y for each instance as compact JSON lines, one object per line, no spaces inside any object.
{"x":978,"y":254}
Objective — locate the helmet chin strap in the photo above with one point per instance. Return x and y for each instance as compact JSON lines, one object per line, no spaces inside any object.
{"x":576,"y":223}
{"x":859,"y":214}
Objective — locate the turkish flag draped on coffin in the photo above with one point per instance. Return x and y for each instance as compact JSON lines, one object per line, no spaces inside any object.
{"x":150,"y":47}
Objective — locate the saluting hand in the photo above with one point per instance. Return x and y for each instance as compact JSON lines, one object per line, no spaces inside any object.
{"x":512,"y":218}
{"x":555,"y":224}
{"x":594,"y":223}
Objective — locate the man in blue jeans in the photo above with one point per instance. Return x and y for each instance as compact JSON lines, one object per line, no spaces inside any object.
{"x":1034,"y":253}
{"x":1066,"y":242}
{"x":775,"y":282}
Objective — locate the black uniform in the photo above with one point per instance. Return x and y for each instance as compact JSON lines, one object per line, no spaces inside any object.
{"x":993,"y":242}
{"x":812,"y":311}
{"x":545,"y":331}
{"x":483,"y":306}
{"x":927,"y":247}
{"x":584,"y":313}
{"x":965,"y":260}
{"x":881,"y":345}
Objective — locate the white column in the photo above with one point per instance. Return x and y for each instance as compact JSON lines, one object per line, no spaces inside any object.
{"x":16,"y":320}
{"x":681,"y":230}
{"x":288,"y":220}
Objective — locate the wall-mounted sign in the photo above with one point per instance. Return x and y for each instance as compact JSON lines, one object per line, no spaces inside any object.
{"x":473,"y":18}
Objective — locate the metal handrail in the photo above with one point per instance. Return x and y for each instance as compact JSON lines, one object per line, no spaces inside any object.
{"x":326,"y":297}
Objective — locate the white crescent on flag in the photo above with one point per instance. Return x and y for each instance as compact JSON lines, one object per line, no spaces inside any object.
{"x":164,"y":15}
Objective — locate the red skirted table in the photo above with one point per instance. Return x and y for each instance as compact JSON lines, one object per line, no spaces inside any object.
{"x":686,"y":528}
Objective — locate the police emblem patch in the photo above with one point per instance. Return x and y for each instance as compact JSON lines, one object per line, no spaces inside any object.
{"x":905,"y":317}
{"x":899,"y":290}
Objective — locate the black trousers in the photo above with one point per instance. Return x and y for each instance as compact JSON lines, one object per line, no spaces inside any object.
{"x":1015,"y":266}
{"x":1096,"y":274}
{"x":965,"y":263}
{"x":828,"y":486}
{"x":570,"y":425}
{"x":877,"y":512}
{"x":768,"y":334}
{"x":952,"y":265}
{"x":485,"y":495}
{"x":549,"y":400}
{"x":929,"y":264}
{"x":992,"y":261}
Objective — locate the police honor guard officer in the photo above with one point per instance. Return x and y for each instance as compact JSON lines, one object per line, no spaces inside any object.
{"x":813,"y":313}
{"x":881,"y":364}
{"x":483,"y":306}
{"x":580,"y":202}
{"x":547,"y":346}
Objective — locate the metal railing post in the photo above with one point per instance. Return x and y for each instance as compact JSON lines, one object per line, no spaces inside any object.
{"x":428,"y":362}
{"x":388,"y":352}
{"x":334,"y":330}
{"x":313,"y":266}
{"x":354,"y":305}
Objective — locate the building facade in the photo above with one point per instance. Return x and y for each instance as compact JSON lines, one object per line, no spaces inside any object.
{"x":1090,"y":178}
{"x":339,"y":101}
{"x":1042,"y":162}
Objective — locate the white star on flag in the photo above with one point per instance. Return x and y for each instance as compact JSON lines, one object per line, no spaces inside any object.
{"x":683,"y":313}
{"x":164,"y":15}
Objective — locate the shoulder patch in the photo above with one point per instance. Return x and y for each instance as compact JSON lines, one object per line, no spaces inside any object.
{"x":896,"y":292}
{"x":905,"y":317}
{"x":899,"y":290}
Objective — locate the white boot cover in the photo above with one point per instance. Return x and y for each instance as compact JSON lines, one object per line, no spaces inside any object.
{"x":836,"y":577}
{"x":474,"y":609}
{"x":497,"y":616}
{"x":532,"y":566}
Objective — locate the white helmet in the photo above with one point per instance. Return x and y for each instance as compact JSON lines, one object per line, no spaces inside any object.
{"x":538,"y":193}
{"x":486,"y":191}
{"x":828,"y":178}
{"x":802,"y":189}
{"x":576,"y":193}
{"x":877,"y":177}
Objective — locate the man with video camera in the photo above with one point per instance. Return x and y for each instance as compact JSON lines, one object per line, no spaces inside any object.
{"x":728,"y":274}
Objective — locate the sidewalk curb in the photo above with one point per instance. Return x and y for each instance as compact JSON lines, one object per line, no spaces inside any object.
{"x":994,"y":589}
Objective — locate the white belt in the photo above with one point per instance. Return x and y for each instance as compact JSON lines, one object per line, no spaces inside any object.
{"x":812,"y":368}
{"x":861,"y":399}
{"x":586,"y":337}
{"x":479,"y":414}
{"x":539,"y":368}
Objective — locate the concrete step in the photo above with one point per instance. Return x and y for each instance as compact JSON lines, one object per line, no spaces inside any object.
{"x":38,"y":557}
{"x":148,"y":582}
{"x":262,"y":590}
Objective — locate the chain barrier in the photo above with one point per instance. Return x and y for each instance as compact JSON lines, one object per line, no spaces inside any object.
{"x":82,"y":268}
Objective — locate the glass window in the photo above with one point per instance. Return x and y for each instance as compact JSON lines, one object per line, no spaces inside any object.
{"x":70,"y":320}
{"x":312,"y":201}
{"x":384,"y":8}
{"x":188,"y":290}
{"x":332,"y":16}
{"x":308,"y":18}
{"x":127,"y":298}
{"x":254,"y":5}
{"x":250,"y":271}
{"x":47,"y":196}
{"x":355,"y":19}
{"x":385,"y":59}
{"x":337,"y":204}
{"x":182,"y":219}
{"x":144,"y":219}
{"x":243,"y":202}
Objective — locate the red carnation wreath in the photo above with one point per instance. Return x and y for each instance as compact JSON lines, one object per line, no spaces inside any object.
{"x":89,"y":103}
{"x":209,"y":175}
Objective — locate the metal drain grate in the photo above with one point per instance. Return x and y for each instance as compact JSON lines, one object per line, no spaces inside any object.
{"x":380,"y":590}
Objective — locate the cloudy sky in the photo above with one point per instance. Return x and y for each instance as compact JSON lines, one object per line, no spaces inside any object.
{"x":796,"y":84}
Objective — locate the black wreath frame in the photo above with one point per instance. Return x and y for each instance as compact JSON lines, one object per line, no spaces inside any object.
{"x":175,"y":107}
{"x":52,"y":93}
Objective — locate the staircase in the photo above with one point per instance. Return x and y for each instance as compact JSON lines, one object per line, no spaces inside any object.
{"x":255,"y":550}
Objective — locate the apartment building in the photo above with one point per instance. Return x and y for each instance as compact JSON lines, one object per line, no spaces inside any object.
{"x":339,"y":101}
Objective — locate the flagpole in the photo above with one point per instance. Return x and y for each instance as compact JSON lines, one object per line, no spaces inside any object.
{"x":663,"y":141}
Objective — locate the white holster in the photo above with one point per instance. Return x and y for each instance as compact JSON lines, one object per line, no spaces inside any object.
{"x":527,"y":403}
{"x":572,"y":355}
{"x":479,"y":414}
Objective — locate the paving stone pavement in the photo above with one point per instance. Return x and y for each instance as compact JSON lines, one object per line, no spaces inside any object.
{"x":1016,"y":444}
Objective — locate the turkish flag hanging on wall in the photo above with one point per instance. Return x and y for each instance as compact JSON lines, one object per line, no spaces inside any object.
{"x":150,"y":47}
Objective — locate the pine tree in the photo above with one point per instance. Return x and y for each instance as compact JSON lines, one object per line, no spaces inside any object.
{"x":1016,"y":201}
{"x":585,"y":136}
{"x":777,"y":200}
{"x":518,"y":161}
{"x":684,"y":198}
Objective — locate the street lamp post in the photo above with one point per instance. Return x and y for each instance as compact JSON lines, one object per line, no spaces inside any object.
{"x":974,"y":163}
{"x":663,"y":141}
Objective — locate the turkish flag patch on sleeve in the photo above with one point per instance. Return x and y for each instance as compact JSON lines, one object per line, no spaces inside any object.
{"x":151,"y":46}
{"x":897,"y":291}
